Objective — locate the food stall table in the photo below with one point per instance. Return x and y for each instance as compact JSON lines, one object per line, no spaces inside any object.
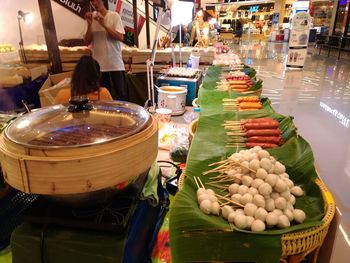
{"x":196,"y":236}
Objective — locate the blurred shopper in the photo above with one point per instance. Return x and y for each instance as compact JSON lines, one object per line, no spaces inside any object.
{"x":105,"y":32}
{"x":85,"y":83}
{"x":239,"y":30}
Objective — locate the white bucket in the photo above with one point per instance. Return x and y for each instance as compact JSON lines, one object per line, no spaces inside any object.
{"x":172,"y":97}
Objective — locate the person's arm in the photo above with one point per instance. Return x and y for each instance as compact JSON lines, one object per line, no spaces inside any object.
{"x":116,"y":31}
{"x":112,"y":33}
{"x":88,"y":34}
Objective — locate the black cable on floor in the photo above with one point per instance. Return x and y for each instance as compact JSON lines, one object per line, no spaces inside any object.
{"x":42,"y":244}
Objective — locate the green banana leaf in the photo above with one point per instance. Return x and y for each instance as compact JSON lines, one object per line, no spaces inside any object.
{"x":213,"y":75}
{"x":198,"y":237}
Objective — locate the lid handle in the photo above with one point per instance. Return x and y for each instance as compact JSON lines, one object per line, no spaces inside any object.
{"x":78,"y":104}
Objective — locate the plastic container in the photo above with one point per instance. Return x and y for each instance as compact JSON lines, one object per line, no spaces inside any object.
{"x":190,"y":116}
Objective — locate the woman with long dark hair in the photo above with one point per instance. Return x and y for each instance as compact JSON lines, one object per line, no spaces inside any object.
{"x":85,"y":82}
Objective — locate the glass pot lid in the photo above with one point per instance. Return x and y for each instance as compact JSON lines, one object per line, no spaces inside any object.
{"x":81,"y":123}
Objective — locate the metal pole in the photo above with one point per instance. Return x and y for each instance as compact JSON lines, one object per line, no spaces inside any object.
{"x":21,"y":48}
{"x":136,"y":30}
{"x":180,"y":56}
{"x":148,"y":39}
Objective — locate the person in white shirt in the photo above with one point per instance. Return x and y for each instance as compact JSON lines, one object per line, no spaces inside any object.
{"x":105,"y":31}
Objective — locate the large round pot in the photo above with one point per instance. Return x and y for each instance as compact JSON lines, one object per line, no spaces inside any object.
{"x":83,"y":148}
{"x":172,"y":97}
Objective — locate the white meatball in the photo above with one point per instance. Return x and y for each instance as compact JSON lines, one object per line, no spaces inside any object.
{"x":271,"y":219}
{"x":237,"y":178}
{"x":258,"y":226}
{"x":250,"y":220}
{"x":299,"y":215}
{"x":278,"y":212}
{"x":247,"y":180}
{"x":284,"y":175}
{"x":235,"y":156}
{"x":244,"y":167}
{"x":256,"y":149}
{"x":290,"y":206}
{"x":241,"y":221}
{"x":205,"y":206}
{"x":269,"y":204}
{"x":261,"y":214}
{"x":280,"y":203}
{"x":274,"y":195}
{"x":261,"y":173}
{"x":253,"y":191}
{"x":246,"y":156}
{"x":231,"y":217}
{"x":272,"y":159}
{"x":289,"y":182}
{"x":279,"y":168}
{"x":246,"y":198}
{"x":280,"y":186}
{"x":210,"y":192}
{"x":232,"y":172}
{"x":242,"y":189}
{"x":265,"y":189}
{"x":292,"y":200}
{"x":263,"y":154}
{"x":203,"y":197}
{"x":250,"y":209}
{"x":297,"y":191}
{"x":226,"y":210}
{"x":252,"y":175}
{"x":283,"y":222}
{"x":213,"y":198}
{"x":254,"y":156}
{"x":259,"y":200}
{"x":265,"y":163}
{"x":201,"y":191}
{"x":239,"y":211}
{"x":233,"y":188}
{"x":236,"y":198}
{"x":256,"y":183}
{"x":254,"y":164}
{"x":215,"y":208}
{"x":289,"y":214}
{"x":272,"y":169}
{"x":271,"y":179}
{"x":286,"y":195}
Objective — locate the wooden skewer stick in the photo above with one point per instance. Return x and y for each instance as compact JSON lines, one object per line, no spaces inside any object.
{"x":200,"y":182}
{"x":229,"y":200}
{"x":217,"y":186}
{"x":220,"y":162}
{"x":244,"y":166}
{"x":222,"y":176}
{"x":224,"y":180}
{"x":195,"y":180}
{"x":235,"y":133}
{"x":234,"y":122}
{"x":218,"y":169}
{"x":223,"y":204}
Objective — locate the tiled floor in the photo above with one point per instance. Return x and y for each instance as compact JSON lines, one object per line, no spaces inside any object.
{"x":319,"y":98}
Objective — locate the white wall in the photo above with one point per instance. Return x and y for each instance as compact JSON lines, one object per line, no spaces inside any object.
{"x":68,"y":25}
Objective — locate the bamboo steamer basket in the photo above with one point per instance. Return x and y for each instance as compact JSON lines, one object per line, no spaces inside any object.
{"x":84,"y":168}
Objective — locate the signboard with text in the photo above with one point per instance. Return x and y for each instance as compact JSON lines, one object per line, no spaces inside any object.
{"x":298,"y":40}
{"x":126,"y":14}
{"x":78,"y":7}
